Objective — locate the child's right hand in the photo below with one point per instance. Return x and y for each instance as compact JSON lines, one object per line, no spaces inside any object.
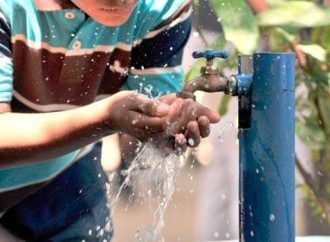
{"x":137,"y":115}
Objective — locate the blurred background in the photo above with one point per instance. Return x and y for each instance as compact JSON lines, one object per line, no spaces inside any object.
{"x":202,"y":202}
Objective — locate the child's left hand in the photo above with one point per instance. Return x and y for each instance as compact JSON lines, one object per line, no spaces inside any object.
{"x":188,"y":121}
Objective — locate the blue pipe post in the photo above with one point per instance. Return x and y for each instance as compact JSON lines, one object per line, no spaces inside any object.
{"x":266,"y":136}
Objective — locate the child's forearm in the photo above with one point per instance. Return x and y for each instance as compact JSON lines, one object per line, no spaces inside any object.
{"x":27,"y":138}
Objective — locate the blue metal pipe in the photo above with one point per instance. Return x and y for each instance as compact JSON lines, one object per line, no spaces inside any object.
{"x":239,"y":84}
{"x":267,"y":150}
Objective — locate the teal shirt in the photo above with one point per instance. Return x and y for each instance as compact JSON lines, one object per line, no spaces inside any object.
{"x":61,"y":59}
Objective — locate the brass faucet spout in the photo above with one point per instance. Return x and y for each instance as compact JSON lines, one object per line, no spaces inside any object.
{"x":210,"y":79}
{"x":207,"y":83}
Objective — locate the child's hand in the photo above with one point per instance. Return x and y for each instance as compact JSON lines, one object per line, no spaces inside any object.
{"x":181,"y":121}
{"x":188,"y":121}
{"x":137,"y":115}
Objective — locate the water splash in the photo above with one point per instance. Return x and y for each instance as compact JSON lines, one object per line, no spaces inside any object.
{"x":159,"y":170}
{"x":225,"y":128}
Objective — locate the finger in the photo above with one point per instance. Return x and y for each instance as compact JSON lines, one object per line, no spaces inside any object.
{"x":174,"y":122}
{"x":192,"y":134}
{"x":143,"y":123}
{"x":180,"y":143}
{"x":204,"y":126}
{"x":168,"y":99}
{"x":212,"y":116}
{"x":149,"y":107}
{"x":175,"y":107}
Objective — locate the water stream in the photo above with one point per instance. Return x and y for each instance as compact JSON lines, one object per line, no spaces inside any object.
{"x":160,"y":171}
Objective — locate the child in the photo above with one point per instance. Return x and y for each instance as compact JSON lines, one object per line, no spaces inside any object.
{"x":67,"y":68}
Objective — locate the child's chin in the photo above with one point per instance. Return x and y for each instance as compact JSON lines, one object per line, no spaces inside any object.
{"x":114,"y":22}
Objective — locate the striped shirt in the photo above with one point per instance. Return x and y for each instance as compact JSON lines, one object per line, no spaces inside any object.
{"x":58,"y":59}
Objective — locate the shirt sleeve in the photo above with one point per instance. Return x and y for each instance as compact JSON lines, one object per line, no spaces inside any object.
{"x":6,"y":66}
{"x":156,"y":61}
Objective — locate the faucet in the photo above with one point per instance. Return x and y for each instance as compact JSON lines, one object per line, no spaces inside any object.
{"x":211,"y":80}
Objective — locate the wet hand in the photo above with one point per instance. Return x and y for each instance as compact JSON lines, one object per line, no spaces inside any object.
{"x":188,"y":121}
{"x":137,"y":115}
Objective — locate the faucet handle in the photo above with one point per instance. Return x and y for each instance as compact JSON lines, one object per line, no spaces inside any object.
{"x":210,"y":54}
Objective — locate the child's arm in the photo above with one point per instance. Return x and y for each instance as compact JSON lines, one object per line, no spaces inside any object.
{"x":27,"y":138}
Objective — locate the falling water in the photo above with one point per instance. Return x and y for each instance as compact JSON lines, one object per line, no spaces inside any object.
{"x":161,"y":171}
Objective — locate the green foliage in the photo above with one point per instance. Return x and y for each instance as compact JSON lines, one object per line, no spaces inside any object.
{"x":310,"y":198}
{"x":314,"y":50}
{"x":307,"y":126}
{"x":238,"y":23}
{"x":300,"y":14}
{"x":223,"y":108}
{"x":287,"y":33}
{"x":324,"y":35}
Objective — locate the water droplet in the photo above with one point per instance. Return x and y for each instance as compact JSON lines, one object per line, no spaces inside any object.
{"x":252,"y":233}
{"x":191,"y":142}
{"x":272,"y":217}
{"x":196,"y":34}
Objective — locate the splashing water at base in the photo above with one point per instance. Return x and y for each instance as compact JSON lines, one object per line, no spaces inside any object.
{"x":160,"y":171}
